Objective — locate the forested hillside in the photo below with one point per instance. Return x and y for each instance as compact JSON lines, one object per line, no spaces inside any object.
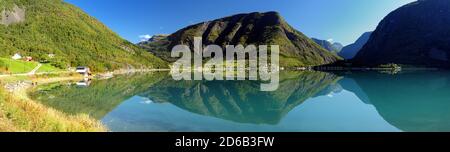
{"x":62,"y":34}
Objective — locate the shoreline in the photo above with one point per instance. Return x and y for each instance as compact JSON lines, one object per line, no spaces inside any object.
{"x":20,"y":113}
{"x":41,"y":118}
{"x":14,"y":97}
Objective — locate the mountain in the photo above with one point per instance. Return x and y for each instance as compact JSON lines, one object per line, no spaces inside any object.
{"x":349,"y":51}
{"x":337,"y":46}
{"x":416,"y":34}
{"x":332,"y":47}
{"x":40,"y":28}
{"x":254,"y":28}
{"x":158,"y":45}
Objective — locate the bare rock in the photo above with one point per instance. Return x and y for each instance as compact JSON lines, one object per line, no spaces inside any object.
{"x":16,"y":15}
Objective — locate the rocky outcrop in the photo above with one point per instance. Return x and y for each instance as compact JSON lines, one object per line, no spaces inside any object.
{"x":16,"y":15}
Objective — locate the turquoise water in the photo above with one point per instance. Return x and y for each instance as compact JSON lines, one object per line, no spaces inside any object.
{"x":305,"y":102}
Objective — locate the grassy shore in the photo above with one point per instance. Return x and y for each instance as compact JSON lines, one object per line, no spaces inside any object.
{"x":18,"y":113}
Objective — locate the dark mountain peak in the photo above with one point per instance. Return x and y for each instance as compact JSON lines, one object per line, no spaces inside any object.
{"x":364,"y":38}
{"x":273,"y":16}
{"x":349,"y":51}
{"x":416,"y":34}
{"x":273,"y":13}
{"x":269,"y":13}
{"x":270,"y":16}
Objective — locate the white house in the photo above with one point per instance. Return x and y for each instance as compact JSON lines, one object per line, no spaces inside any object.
{"x":83,"y":70}
{"x":16,"y":56}
{"x":51,"y":55}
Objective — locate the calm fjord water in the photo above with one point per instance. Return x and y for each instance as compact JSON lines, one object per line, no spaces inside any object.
{"x":305,"y":102}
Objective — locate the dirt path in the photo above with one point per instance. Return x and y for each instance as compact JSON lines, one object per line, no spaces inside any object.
{"x":32,"y":72}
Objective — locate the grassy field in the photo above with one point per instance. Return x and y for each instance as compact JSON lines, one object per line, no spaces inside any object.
{"x":48,"y":68}
{"x":17,"y":66}
{"x":10,"y":66}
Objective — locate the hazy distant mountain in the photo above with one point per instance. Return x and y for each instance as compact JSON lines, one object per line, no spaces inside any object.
{"x":254,"y":28}
{"x":332,"y":47}
{"x":349,"y":51}
{"x":416,"y":34}
{"x":338,"y":46}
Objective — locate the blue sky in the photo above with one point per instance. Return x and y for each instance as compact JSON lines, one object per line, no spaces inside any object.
{"x":341,"y":20}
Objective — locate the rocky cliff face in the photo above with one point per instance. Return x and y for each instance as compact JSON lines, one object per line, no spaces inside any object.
{"x":16,"y":15}
{"x":415,"y":34}
{"x":255,"y":28}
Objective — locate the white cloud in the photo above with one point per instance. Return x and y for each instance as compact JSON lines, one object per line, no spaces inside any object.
{"x":330,"y":40}
{"x":145,"y":37}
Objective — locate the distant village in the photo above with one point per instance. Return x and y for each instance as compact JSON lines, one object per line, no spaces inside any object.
{"x":84,"y":70}
{"x":18,"y":56}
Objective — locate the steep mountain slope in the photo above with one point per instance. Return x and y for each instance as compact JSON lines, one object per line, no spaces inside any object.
{"x":255,"y":28}
{"x":349,"y":51}
{"x":158,"y":45}
{"x":44,"y":27}
{"x":416,"y":34}
{"x":332,"y":47}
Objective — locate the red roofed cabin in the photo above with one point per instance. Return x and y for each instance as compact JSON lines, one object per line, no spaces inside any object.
{"x":29,"y":58}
